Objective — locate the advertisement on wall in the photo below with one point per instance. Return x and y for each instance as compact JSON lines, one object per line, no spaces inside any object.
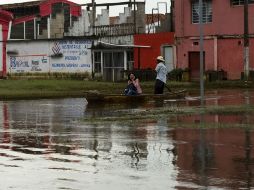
{"x":71,"y":56}
{"x":29,"y":63}
{"x":68,"y":56}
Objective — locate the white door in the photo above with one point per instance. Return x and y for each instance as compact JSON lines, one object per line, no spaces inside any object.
{"x":169,"y":57}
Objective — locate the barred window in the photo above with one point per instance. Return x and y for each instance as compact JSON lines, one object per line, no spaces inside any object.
{"x":241,"y":2}
{"x":206,"y":13}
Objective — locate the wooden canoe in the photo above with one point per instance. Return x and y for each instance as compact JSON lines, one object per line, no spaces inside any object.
{"x":95,"y":97}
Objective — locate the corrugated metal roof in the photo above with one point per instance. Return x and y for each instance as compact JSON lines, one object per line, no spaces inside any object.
{"x":24,"y":4}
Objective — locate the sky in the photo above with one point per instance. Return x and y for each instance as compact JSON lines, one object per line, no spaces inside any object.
{"x":114,"y":10}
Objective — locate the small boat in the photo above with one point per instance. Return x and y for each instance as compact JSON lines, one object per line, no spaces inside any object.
{"x":96,"y":97}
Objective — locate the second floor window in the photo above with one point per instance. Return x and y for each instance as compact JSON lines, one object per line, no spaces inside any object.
{"x":240,"y":2}
{"x":207,"y":11}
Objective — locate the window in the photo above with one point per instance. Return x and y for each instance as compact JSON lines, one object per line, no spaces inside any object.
{"x":97,"y":62}
{"x":207,"y":11}
{"x":130,"y":60}
{"x":113,"y":65}
{"x":240,"y":2}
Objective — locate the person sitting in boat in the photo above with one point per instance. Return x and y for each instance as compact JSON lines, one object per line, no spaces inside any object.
{"x":133,"y":87}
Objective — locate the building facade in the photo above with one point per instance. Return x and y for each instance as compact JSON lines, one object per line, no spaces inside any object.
{"x":61,"y":36}
{"x":223,"y":25}
{"x":154,"y":45}
{"x":51,"y":36}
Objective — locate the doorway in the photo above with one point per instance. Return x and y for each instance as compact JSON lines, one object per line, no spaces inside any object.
{"x":113,"y":64}
{"x":168,"y":53}
{"x":194,"y":65}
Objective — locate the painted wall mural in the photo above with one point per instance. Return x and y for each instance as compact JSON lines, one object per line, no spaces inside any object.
{"x":69,"y":56}
{"x":30,"y":63}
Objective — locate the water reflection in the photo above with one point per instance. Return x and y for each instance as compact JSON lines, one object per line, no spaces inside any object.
{"x":45,"y":145}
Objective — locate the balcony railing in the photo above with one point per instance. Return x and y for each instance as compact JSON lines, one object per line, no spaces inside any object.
{"x":114,"y":30}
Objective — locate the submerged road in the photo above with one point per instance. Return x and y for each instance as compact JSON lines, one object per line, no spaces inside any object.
{"x":53,"y":144}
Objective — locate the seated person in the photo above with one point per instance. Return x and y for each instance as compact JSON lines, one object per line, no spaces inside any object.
{"x":133,"y":87}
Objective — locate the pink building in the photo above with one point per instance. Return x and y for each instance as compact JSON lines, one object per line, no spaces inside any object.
{"x":223,"y":35}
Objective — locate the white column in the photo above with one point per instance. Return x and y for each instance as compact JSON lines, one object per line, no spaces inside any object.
{"x":9,"y":31}
{"x":24,"y":30}
{"x":38,"y":29}
{"x":48,"y":24}
{"x":34,"y":28}
{"x":125,"y":60}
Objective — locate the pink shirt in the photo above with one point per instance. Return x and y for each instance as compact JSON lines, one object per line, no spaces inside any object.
{"x":137,"y":85}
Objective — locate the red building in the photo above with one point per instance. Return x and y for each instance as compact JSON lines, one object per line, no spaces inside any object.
{"x":154,"y":45}
{"x":42,"y":19}
{"x":5,"y":19}
{"x":223,"y":36}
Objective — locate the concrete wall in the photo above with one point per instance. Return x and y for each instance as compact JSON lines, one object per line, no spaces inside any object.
{"x":49,"y":56}
{"x":186,"y":45}
{"x":123,"y":17}
{"x":57,"y":26}
{"x":165,"y":25}
{"x":103,"y":18}
{"x":232,"y":61}
{"x":140,"y":18}
{"x":80,"y":27}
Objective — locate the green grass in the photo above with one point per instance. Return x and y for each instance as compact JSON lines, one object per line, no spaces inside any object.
{"x":54,"y":88}
{"x":27,"y":89}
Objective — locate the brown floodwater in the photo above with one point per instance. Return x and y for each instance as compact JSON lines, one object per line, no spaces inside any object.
{"x":53,"y":144}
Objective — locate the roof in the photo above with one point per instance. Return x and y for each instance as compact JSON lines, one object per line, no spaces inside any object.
{"x":41,"y":7}
{"x":105,"y":45}
{"x":24,"y":4}
{"x":34,"y":3}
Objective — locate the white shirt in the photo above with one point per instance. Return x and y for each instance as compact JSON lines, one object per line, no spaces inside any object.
{"x":161,"y":72}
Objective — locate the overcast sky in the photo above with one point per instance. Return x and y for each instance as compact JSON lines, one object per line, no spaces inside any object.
{"x":113,"y":10}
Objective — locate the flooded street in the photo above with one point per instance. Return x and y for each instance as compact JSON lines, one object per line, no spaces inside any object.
{"x":55,"y":144}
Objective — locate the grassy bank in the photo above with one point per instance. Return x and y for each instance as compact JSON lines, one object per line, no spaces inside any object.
{"x":53,"y":88}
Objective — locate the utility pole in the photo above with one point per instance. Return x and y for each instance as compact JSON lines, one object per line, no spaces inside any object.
{"x":201,"y":60}
{"x":134,"y":17}
{"x":93,"y":16}
{"x":246,"y":41}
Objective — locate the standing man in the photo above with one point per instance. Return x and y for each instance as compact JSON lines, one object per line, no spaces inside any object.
{"x":161,"y":77}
